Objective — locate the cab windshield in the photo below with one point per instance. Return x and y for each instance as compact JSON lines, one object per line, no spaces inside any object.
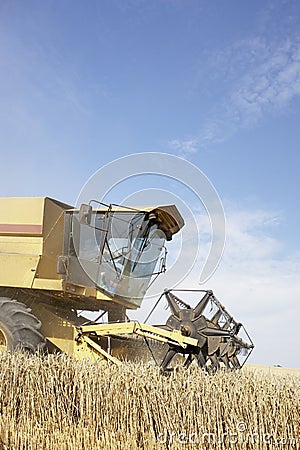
{"x":119,"y":251}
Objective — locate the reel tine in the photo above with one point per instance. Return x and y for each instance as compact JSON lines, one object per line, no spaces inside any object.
{"x":225,"y":361}
{"x":216,"y":317}
{"x":215,"y":365}
{"x":174,"y":307}
{"x":198,"y":310}
{"x":235,"y":362}
{"x":201,"y":359}
{"x":168,"y":358}
{"x":188,"y":361}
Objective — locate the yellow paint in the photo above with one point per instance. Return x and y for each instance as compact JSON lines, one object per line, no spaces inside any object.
{"x":21,"y":245}
{"x":43,"y":283}
{"x":141,"y":329}
{"x":87,"y":348}
{"x":17,"y":270}
{"x":23,"y":255}
{"x":53,"y":234}
{"x":22,"y":210}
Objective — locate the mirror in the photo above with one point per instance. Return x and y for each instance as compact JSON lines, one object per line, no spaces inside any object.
{"x":85,"y":214}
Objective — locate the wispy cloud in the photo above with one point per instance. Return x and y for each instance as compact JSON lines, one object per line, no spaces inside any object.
{"x":246,"y":81}
{"x":258,"y":279}
{"x":261,"y":78}
{"x":273,"y":84}
{"x":183,"y":147}
{"x":249,"y":235}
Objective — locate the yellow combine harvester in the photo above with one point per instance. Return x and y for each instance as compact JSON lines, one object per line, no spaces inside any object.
{"x":57,"y":261}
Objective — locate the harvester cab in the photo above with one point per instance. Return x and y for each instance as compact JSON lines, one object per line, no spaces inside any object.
{"x":117,"y":249}
{"x":58,"y":261}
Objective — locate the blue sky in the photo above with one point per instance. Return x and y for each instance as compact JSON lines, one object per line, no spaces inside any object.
{"x":216,"y":83}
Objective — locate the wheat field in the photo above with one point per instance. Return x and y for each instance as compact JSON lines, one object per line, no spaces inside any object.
{"x":55,"y":402}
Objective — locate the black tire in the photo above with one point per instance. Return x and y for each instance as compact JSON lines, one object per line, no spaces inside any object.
{"x":19,"y":328}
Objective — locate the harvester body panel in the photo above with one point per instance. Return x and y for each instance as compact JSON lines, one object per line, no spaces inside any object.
{"x":31,"y":234}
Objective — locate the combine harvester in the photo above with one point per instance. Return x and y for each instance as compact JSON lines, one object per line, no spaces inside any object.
{"x":57,"y":261}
